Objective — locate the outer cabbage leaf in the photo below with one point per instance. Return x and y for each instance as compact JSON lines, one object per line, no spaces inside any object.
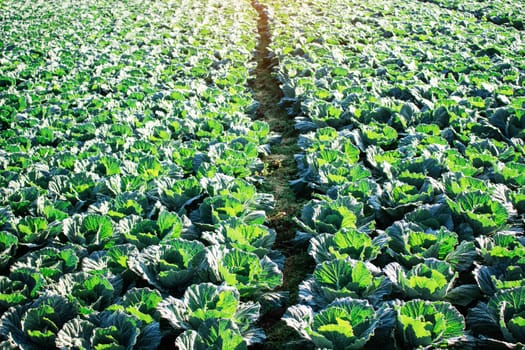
{"x":8,"y":247}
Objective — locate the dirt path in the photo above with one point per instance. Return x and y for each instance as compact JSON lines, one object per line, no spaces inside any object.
{"x":281,"y":168}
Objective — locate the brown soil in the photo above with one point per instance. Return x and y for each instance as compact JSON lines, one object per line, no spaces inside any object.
{"x":280,"y":169}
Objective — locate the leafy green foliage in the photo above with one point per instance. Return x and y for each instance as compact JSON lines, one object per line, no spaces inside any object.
{"x":8,"y":246}
{"x":410,"y":244}
{"x":93,"y":232}
{"x":141,"y":303}
{"x":216,"y":334}
{"x":144,"y":232}
{"x":170,"y":266}
{"x":479,"y":211}
{"x":205,"y":302}
{"x":90,"y":292}
{"x":424,"y":323}
{"x":430,"y":280}
{"x":251,"y":275}
{"x":345,"y":243}
{"x":108,"y":330}
{"x":333,"y":215}
{"x":51,"y":262}
{"x":344,"y":278}
{"x":346,"y":323}
{"x":36,"y":325}
{"x":503,"y":315}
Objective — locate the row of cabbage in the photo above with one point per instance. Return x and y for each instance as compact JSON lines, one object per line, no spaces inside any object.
{"x":129,"y":214}
{"x":501,"y":12}
{"x":412,"y":121}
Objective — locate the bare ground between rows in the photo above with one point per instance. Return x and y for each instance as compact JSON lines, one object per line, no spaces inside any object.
{"x":280,"y":169}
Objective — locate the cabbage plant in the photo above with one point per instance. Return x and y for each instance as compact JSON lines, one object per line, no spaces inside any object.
{"x":492,"y":279}
{"x":503,"y":257}
{"x":329,"y":216}
{"x":169,"y":266}
{"x":254,"y":238}
{"x":518,"y":200}
{"x":36,"y":325}
{"x":501,"y":249}
{"x":20,"y":287}
{"x":502,"y":317}
{"x":206,"y":301}
{"x":108,"y":330}
{"x":112,"y":261}
{"x":51,"y":262}
{"x":346,"y":323}
{"x":89,"y":292}
{"x":212,"y":334}
{"x":398,"y":197}
{"x":252,"y":276}
{"x":478,"y":213}
{"x":176,"y":194}
{"x":430,"y":280}
{"x":214,"y":210}
{"x":346,"y":243}
{"x":92,"y":231}
{"x":35,"y":231}
{"x":145,"y":232}
{"x":422,"y":324}
{"x":141,"y":303}
{"x":410,"y":244}
{"x":342,"y":278}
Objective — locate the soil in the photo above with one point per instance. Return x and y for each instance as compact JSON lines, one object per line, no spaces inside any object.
{"x":280,"y":169}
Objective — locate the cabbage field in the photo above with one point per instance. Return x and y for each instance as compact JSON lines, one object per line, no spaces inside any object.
{"x":234,"y":174}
